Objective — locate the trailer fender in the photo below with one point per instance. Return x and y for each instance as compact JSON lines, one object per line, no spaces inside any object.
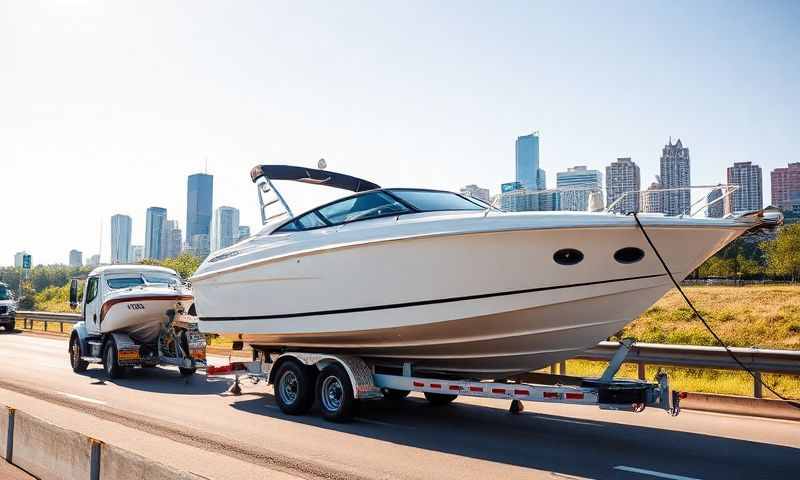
{"x":360,"y":374}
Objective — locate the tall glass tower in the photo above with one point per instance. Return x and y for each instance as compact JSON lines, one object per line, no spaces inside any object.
{"x":527,"y":153}
{"x":226,"y":228}
{"x":120,"y":238}
{"x":199,"y":196}
{"x":155,"y":237}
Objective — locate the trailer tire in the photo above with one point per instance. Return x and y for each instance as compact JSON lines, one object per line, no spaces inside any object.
{"x":335,"y":394}
{"x":294,"y":388}
{"x":110,"y":362}
{"x":392,"y":394}
{"x":439,"y":398}
{"x":78,"y":365}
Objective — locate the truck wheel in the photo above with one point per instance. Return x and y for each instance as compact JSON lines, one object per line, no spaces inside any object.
{"x":294,"y":388}
{"x":12,"y":325}
{"x":110,"y":362}
{"x":439,"y":398}
{"x":335,"y":393}
{"x":75,"y":353}
{"x":392,"y":394}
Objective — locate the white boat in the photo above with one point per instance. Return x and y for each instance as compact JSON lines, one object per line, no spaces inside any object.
{"x":444,"y":282}
{"x":134,"y":299}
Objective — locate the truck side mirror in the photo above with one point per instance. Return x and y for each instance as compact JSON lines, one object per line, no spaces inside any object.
{"x":73,"y":293}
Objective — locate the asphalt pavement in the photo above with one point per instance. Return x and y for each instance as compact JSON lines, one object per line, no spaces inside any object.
{"x":407,"y":439}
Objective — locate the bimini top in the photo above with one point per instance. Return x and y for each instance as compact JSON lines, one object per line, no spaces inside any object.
{"x":313,"y":176}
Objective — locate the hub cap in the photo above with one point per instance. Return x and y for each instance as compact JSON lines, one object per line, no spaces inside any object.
{"x":288,"y":387}
{"x":332,"y":394}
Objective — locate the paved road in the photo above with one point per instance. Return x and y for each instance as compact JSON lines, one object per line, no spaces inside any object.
{"x":473,"y":438}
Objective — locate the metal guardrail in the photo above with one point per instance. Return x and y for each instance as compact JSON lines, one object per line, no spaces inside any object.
{"x":759,"y":360}
{"x":28,"y":317}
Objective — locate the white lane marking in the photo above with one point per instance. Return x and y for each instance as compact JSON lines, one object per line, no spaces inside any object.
{"x":653,"y":473}
{"x":82,"y":399}
{"x":577,"y":422}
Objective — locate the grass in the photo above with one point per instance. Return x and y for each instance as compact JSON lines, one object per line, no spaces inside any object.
{"x":697,"y":380}
{"x":753,"y":316}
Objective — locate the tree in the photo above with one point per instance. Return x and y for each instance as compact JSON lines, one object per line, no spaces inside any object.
{"x":783,"y":253}
{"x":185,"y":264}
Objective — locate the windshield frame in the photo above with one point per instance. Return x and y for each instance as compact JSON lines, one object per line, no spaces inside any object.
{"x":411,"y":209}
{"x":9,"y":293}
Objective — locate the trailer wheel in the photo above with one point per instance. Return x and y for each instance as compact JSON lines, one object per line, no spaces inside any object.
{"x":439,"y":398}
{"x":392,"y":394}
{"x":335,"y":393}
{"x":294,"y":388}
{"x":75,"y":353}
{"x":110,"y":362}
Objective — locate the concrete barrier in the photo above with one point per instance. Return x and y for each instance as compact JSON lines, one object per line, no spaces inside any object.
{"x":4,"y":414}
{"x":49,"y":452}
{"x":119,"y":464}
{"x":747,"y":406}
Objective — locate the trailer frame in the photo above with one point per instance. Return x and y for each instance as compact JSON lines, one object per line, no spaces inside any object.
{"x":363,"y":380}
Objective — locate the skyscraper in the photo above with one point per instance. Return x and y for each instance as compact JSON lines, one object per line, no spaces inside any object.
{"x":225,"y":231}
{"x":75,"y":258}
{"x":786,"y":187}
{"x":244,"y":232}
{"x":136,"y":254}
{"x":93,"y":261}
{"x":18,"y":258}
{"x":120,"y":238}
{"x":651,"y":200}
{"x":622,"y":176}
{"x":199,"y":196}
{"x":476,"y":192}
{"x":155,"y":237}
{"x":575,"y":185}
{"x":174,"y":239}
{"x":748,"y":196}
{"x":716,"y":209}
{"x":675,"y":174}
{"x":527,"y":162}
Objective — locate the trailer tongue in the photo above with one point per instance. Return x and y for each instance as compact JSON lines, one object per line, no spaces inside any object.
{"x":338,"y":381}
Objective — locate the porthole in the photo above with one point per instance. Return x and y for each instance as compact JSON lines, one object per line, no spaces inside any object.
{"x":568,"y":256}
{"x":629,"y":255}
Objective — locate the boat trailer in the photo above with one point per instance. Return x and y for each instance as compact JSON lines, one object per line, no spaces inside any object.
{"x":362,"y":381}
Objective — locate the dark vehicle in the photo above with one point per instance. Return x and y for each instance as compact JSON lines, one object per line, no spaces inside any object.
{"x":8,"y":308}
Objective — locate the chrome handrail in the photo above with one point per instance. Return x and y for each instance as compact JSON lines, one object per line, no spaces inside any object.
{"x":727,"y":191}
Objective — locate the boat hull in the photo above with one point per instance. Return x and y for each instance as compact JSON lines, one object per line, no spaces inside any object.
{"x":482,"y":303}
{"x":140,"y":315}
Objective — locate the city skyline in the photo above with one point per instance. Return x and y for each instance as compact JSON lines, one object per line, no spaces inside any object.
{"x":132,"y":127}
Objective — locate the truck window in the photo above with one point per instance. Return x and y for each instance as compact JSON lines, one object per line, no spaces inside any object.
{"x":91,"y":290}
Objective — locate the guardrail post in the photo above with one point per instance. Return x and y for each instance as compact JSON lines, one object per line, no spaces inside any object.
{"x":641,"y":370}
{"x":553,"y":369}
{"x":45,"y":325}
{"x":10,"y":435}
{"x":61,"y":326}
{"x":562,"y":367}
{"x":757,"y":390}
{"x":94,"y":460}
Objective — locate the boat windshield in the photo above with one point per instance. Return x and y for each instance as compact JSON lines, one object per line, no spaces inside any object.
{"x":432,"y":200}
{"x":144,"y":279}
{"x":378,"y":204}
{"x":124,"y":282}
{"x":5,"y":293}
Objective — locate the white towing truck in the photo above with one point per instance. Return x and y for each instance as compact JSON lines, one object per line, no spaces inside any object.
{"x":135,"y":316}
{"x":339,"y":382}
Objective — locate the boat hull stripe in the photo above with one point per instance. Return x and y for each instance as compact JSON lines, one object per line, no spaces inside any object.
{"x":426,"y":302}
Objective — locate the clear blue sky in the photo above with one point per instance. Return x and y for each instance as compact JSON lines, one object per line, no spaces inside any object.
{"x":105,"y":108}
